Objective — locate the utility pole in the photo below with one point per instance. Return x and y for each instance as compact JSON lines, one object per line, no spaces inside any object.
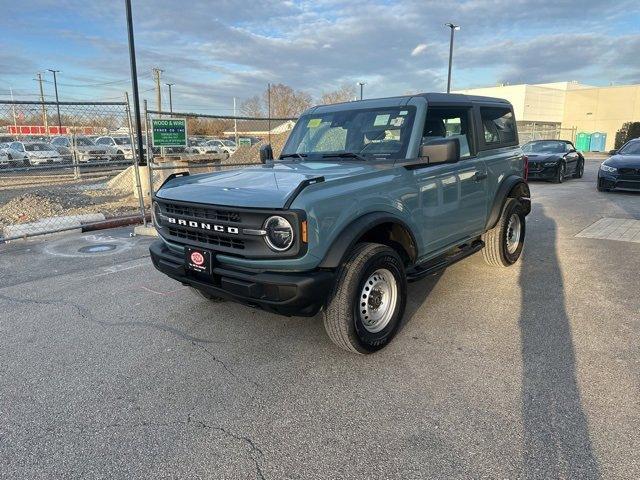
{"x":44,"y":108}
{"x":235,"y":123}
{"x":170,"y":99}
{"x":453,"y":29}
{"x":134,"y":85}
{"x":362,"y":84}
{"x":157,"y":72}
{"x":55,"y":86}
{"x":13,"y":110}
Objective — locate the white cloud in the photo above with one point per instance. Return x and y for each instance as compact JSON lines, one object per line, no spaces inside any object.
{"x":419,"y":49}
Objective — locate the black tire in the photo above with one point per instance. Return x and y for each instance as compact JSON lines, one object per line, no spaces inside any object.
{"x":342,"y":315}
{"x":561,"y":172}
{"x":579,"y":170}
{"x":496,"y":252}
{"x":207,"y":296}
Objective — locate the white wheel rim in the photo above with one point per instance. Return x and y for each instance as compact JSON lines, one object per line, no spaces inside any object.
{"x":514,"y":230}
{"x":377,"y":300}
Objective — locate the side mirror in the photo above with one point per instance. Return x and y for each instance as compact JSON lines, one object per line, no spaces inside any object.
{"x":266,"y":153}
{"x":446,"y":150}
{"x":613,"y":152}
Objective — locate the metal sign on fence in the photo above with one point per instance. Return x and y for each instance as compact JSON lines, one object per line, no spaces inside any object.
{"x":169,"y":132}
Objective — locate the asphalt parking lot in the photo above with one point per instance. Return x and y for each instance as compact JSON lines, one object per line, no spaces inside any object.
{"x":108,"y":369}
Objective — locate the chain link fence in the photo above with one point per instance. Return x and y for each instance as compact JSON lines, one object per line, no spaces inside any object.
{"x":214,"y":143}
{"x":65,"y":166}
{"x":541,"y":131}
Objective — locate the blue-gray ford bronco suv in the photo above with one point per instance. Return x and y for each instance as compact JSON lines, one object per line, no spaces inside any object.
{"x":365,"y":197}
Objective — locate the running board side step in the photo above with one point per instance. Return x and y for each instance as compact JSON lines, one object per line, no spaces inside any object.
{"x":441,"y":263}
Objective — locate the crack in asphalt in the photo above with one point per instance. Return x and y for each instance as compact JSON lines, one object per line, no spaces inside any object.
{"x":255,"y":452}
{"x":86,"y":315}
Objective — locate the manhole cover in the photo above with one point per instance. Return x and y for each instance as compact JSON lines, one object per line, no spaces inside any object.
{"x":97,"y":248}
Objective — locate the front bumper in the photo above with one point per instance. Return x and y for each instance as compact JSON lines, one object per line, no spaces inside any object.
{"x":615,"y":182}
{"x":301,"y":294}
{"x":544,"y":173}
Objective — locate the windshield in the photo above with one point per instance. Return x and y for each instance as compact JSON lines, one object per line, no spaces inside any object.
{"x":631,"y":148}
{"x":229,"y":143}
{"x":370,"y":133}
{"x":197,"y":142}
{"x":122,"y":141}
{"x":83,"y":141}
{"x":37,"y":147}
{"x":544,"y":147}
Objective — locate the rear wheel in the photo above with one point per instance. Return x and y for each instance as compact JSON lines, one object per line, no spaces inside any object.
{"x":365,"y":309}
{"x":505,"y":241}
{"x":206,"y":295}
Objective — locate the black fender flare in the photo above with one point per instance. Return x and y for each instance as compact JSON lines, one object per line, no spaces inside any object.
{"x":513,"y":186}
{"x":348,"y":237}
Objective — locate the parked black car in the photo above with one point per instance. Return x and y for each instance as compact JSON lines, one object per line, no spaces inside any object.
{"x":553,"y":160}
{"x":622,"y":169}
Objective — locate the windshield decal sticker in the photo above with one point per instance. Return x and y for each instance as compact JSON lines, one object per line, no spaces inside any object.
{"x":403,"y":112}
{"x":397,"y":122}
{"x":381,"y":120}
{"x":314,"y":123}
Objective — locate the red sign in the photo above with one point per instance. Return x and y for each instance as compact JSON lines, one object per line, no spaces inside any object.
{"x":41,"y":130}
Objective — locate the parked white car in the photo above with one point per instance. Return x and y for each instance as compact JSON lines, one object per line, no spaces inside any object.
{"x":84,"y":148}
{"x":223,"y":145}
{"x":14,"y":158}
{"x":38,"y":153}
{"x":200,"y":146}
{"x":120,"y":146}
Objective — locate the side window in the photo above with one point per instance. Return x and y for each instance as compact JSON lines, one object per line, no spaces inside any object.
{"x":450,"y":123}
{"x":499,"y":125}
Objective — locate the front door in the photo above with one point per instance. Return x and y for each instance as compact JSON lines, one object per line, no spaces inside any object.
{"x":453,"y":197}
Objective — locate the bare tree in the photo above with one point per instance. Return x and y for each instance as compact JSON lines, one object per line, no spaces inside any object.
{"x":252,"y":107}
{"x":345,"y":93}
{"x":285,"y":101}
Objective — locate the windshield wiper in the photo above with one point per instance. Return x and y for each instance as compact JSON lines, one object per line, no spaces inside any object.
{"x":296,"y":155}
{"x":345,"y":155}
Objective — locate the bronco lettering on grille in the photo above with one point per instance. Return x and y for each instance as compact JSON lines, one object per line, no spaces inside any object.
{"x":202,"y":225}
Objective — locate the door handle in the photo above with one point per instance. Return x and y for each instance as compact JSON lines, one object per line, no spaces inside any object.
{"x":479,"y":176}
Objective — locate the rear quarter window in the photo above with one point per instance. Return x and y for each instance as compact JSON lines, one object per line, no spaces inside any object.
{"x":499,"y":126}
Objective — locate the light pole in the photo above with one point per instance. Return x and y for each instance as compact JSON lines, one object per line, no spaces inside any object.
{"x":134,"y":83}
{"x":55,"y":86}
{"x":362,"y":84}
{"x":170,"y":99}
{"x":453,"y":29}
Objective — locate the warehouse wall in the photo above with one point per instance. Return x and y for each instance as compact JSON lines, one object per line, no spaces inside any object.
{"x":602,"y":109}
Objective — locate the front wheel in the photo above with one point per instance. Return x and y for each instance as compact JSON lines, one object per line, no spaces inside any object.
{"x":579,"y":170}
{"x":503,"y":244}
{"x":561,"y":172}
{"x":365,"y":309}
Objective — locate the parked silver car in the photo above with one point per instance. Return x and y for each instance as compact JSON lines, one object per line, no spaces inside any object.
{"x":120,"y":146}
{"x":38,"y":153}
{"x":84,"y":149}
{"x":11,"y":157}
{"x":223,"y":145}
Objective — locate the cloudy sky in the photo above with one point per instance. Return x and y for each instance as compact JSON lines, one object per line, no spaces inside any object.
{"x":215,"y":50}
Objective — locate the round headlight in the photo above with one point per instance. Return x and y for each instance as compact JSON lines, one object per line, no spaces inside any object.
{"x":279,"y":234}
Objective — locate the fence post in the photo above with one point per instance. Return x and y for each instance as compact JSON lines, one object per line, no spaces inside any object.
{"x":149,"y":149}
{"x":136,"y":167}
{"x":76,"y":161}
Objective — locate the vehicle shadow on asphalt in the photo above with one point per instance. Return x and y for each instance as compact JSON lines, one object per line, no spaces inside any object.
{"x":556,"y":430}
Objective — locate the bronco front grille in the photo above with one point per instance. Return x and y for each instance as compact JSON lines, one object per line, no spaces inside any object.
{"x":206,"y":238}
{"x":200,"y":212}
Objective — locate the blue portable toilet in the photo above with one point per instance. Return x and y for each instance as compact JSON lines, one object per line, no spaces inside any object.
{"x":598,"y":142}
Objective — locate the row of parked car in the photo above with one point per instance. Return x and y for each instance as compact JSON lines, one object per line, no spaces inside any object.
{"x":108,"y":148}
{"x":556,"y":160}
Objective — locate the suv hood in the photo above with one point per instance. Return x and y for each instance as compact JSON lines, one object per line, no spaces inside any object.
{"x":262,"y":186}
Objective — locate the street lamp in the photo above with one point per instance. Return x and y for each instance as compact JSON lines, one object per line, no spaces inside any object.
{"x":170,"y":100}
{"x":453,"y":29}
{"x":362,"y":84}
{"x":55,"y":86}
